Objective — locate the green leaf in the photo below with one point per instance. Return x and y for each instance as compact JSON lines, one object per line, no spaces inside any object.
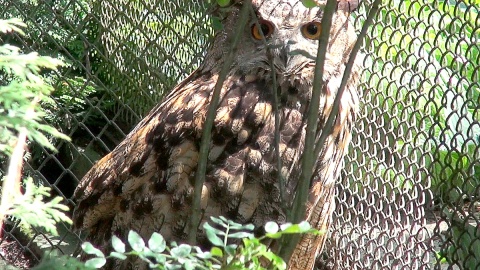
{"x":188,"y":265}
{"x":157,"y":243}
{"x":220,"y":221}
{"x":216,"y":23}
{"x":230,"y":249}
{"x":117,"y":244}
{"x":90,"y":249}
{"x":249,"y":227}
{"x":225,"y":220}
{"x":302,"y":227}
{"x":118,"y":255}
{"x":284,"y":226}
{"x":161,"y":258}
{"x":148,"y":253}
{"x":277,"y":261}
{"x":223,"y":3}
{"x":95,"y":262}
{"x":271,"y":227}
{"x":181,"y":251}
{"x":309,"y":3}
{"x":274,"y":235}
{"x":217,"y":252}
{"x":199,"y":253}
{"x":211,"y":235}
{"x":240,"y":235}
{"x":244,"y":227}
{"x":12,"y":24}
{"x":251,"y":242}
{"x":136,"y":241}
{"x":153,"y":265}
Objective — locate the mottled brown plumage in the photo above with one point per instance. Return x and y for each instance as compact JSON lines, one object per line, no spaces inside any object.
{"x":146,"y":183}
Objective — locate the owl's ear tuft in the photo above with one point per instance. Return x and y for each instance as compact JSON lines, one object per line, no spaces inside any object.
{"x":348,"y":5}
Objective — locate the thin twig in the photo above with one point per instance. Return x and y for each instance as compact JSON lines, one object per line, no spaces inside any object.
{"x":277,"y":115}
{"x":308,"y":158}
{"x":290,"y":243}
{"x":277,"y":131}
{"x":12,"y":182}
{"x":328,"y":128}
{"x":207,"y":127}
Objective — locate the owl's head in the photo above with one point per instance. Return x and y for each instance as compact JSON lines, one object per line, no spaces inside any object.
{"x":286,"y":33}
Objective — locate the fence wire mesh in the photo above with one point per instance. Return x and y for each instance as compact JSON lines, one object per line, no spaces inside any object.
{"x":409,"y":195}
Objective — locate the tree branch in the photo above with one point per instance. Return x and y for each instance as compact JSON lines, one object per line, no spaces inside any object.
{"x":308,"y":158}
{"x":207,"y":128}
{"x":12,"y":182}
{"x":346,"y":74}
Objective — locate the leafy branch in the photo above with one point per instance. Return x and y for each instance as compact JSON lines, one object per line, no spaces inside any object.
{"x":235,"y":247}
{"x":207,"y":127}
{"x":21,"y":118}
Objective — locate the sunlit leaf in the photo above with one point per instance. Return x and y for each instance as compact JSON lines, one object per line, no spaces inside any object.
{"x":157,"y":243}
{"x":136,"y":241}
{"x":90,"y":249}
{"x":95,"y":262}
{"x":223,"y":3}
{"x":211,"y":235}
{"x":271,"y":227}
{"x":181,"y":251}
{"x":118,"y":255}
{"x":240,"y":235}
{"x":309,"y":3}
{"x":117,"y":244}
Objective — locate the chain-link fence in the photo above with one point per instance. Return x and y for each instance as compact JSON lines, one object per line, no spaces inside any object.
{"x":408,"y":197}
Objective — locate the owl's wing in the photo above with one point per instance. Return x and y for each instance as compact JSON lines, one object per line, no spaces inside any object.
{"x":146,"y":182}
{"x":113,"y":185}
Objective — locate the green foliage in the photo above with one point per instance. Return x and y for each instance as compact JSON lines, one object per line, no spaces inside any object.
{"x":71,"y":102}
{"x":425,"y":74}
{"x":53,"y":260}
{"x":451,"y":80}
{"x":465,"y":246}
{"x":64,"y":38}
{"x":20,"y":113}
{"x":425,"y":58}
{"x":32,"y":209}
{"x":79,"y":100}
{"x":20,"y":98}
{"x":309,"y":3}
{"x":12,"y":25}
{"x":223,"y":3}
{"x":52,"y":31}
{"x":234,"y":247}
{"x":161,"y":47}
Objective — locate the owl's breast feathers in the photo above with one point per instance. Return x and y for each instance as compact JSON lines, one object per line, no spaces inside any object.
{"x":146,"y":183}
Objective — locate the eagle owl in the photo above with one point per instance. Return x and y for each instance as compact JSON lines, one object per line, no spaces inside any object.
{"x":146,"y":183}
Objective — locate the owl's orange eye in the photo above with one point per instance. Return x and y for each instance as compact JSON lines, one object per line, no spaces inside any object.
{"x":266,"y":28}
{"x":312,"y":30}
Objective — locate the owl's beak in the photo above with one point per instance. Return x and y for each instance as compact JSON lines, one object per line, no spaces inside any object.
{"x":285,"y":52}
{"x":292,"y":57}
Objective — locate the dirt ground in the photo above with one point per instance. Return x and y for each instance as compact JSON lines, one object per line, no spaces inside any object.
{"x":14,"y":256}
